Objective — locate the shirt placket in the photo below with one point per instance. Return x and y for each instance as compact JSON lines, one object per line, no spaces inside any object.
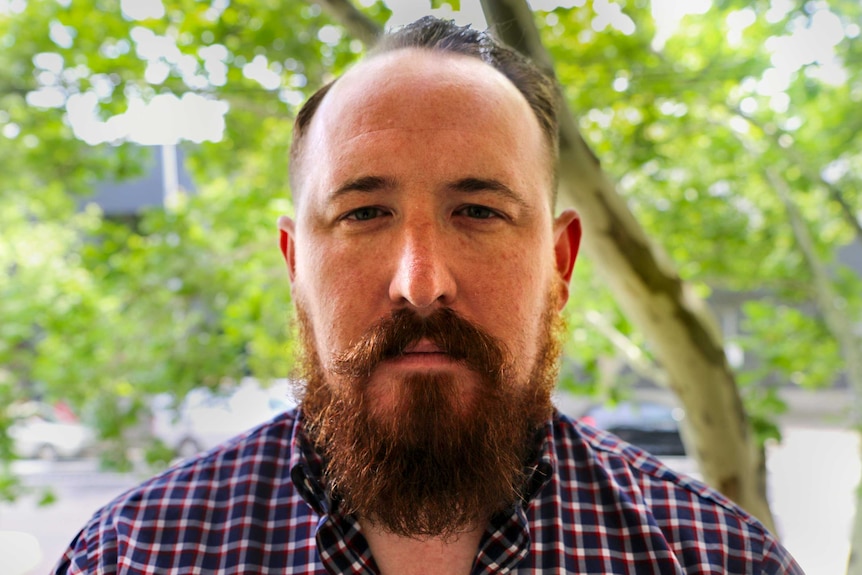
{"x":505,"y":544}
{"x":343,"y":548}
{"x":340,"y":544}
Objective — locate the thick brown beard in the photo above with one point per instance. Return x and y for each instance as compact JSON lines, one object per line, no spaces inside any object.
{"x":436,"y":466}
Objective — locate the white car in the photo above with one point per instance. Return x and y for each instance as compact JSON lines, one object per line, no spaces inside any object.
{"x":42,"y":431}
{"x":206,"y":418}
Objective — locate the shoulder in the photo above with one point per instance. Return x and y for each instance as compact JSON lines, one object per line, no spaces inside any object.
{"x":582,"y":449}
{"x":623,"y":483}
{"x":208,"y":497}
{"x":252,"y":457}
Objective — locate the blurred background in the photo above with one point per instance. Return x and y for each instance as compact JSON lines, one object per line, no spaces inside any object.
{"x":144,"y":306}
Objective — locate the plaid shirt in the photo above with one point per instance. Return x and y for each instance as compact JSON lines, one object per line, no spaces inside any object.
{"x":256,"y":505}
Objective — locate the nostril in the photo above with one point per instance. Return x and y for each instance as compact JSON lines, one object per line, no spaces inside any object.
{"x":422,"y":284}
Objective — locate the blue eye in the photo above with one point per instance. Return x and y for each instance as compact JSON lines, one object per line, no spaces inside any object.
{"x":478,"y":212}
{"x":364,"y":214}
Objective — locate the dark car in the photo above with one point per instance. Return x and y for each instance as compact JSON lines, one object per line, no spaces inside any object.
{"x":651,"y":426}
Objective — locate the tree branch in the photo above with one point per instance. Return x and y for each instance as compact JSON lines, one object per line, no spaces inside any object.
{"x":632,"y":354}
{"x":354,"y":21}
{"x":812,"y":174}
{"x":512,"y":22}
{"x":825,"y":295}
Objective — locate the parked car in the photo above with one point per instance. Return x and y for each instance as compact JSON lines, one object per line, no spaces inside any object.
{"x":206,"y":417}
{"x":43,"y":431}
{"x":649,"y":425}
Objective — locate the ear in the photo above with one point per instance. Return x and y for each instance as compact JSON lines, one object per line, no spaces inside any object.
{"x":287,"y":233}
{"x":567,"y":242}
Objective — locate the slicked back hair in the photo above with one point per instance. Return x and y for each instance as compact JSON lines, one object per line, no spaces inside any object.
{"x":445,"y":37}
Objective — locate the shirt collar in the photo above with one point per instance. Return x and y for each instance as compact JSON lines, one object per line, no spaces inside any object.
{"x":306,"y":469}
{"x":541,"y":464}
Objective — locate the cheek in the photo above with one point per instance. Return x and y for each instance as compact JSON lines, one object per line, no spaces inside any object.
{"x":518,"y":277}
{"x":336,"y":290}
{"x":511,"y":298}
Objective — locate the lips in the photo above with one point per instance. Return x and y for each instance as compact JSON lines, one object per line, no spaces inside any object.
{"x":421,"y":355}
{"x":423,"y":346}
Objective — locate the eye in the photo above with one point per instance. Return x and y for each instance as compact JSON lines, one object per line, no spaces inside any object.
{"x":478,"y":212}
{"x":364,"y":214}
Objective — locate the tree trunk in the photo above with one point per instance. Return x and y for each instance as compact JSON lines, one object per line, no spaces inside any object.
{"x":649,"y":291}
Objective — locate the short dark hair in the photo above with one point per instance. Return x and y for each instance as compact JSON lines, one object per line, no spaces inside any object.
{"x":429,"y":33}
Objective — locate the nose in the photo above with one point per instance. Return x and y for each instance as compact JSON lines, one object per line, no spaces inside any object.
{"x":423,"y":275}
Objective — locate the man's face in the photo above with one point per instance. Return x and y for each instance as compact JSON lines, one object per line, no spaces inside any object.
{"x":427,"y":270}
{"x":426,"y":184}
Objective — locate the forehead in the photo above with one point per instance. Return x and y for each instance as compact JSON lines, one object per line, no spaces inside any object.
{"x":413,"y":91}
{"x":424,"y":85}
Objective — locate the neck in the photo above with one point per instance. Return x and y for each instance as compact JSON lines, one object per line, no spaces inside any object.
{"x":399,"y":555}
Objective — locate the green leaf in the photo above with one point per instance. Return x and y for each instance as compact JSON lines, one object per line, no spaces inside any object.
{"x":455,"y":5}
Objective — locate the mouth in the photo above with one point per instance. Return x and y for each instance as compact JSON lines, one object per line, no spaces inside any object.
{"x":423,"y":346}
{"x":423,"y":354}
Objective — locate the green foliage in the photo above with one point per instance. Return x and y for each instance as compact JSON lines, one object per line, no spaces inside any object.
{"x":593,"y":364}
{"x":689,"y":127}
{"x":47,"y":497}
{"x":10,"y":485}
{"x":454,"y":4}
{"x":807,"y":358}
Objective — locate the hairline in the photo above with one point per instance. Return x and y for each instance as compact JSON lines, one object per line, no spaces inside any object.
{"x":306,"y":115}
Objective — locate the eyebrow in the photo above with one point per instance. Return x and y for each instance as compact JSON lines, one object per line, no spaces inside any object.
{"x":364,"y":184}
{"x":469,"y":185}
{"x":472,"y":185}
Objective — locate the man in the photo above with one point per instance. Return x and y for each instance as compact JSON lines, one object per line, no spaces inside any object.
{"x":428,"y":273}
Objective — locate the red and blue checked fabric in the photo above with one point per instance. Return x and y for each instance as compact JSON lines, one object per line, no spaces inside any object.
{"x":256,"y":505}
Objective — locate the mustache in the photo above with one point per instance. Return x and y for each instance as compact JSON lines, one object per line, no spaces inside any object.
{"x":392,"y":335}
